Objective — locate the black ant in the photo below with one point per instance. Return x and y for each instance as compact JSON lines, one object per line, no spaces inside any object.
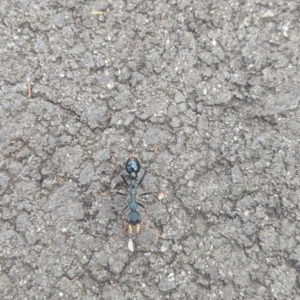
{"x":134,"y":218}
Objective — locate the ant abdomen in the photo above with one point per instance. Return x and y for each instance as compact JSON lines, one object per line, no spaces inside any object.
{"x":134,"y":218}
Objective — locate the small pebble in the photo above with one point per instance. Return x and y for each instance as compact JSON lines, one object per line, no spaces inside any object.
{"x":130,"y":245}
{"x":163,"y":249}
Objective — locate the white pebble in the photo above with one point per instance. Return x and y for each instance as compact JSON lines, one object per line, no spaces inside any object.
{"x":130,"y":245}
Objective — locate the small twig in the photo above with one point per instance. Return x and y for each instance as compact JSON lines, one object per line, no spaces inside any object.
{"x":161,"y":194}
{"x":59,"y":178}
{"x":104,"y":194}
{"x":113,"y":159}
{"x":29,"y":93}
{"x":156,"y":148}
{"x":99,"y":12}
{"x":30,"y":159}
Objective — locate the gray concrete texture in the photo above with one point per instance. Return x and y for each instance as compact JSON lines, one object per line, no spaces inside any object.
{"x":216,"y":83}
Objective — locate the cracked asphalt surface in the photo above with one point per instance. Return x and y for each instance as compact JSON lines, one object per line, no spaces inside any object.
{"x":216,"y":83}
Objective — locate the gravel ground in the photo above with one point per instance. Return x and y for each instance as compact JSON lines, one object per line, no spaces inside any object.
{"x":216,"y":83}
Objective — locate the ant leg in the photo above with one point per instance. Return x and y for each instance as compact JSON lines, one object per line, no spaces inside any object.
{"x":124,"y":209}
{"x":152,"y":230}
{"x":125,"y":180}
{"x":147,"y":193}
{"x":120,"y":233}
{"x":154,"y":152}
{"x":123,"y":219}
{"x":119,"y":193}
{"x":140,"y":204}
{"x":143,"y":177}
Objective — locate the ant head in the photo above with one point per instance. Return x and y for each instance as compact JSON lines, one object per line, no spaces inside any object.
{"x":132,"y":167}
